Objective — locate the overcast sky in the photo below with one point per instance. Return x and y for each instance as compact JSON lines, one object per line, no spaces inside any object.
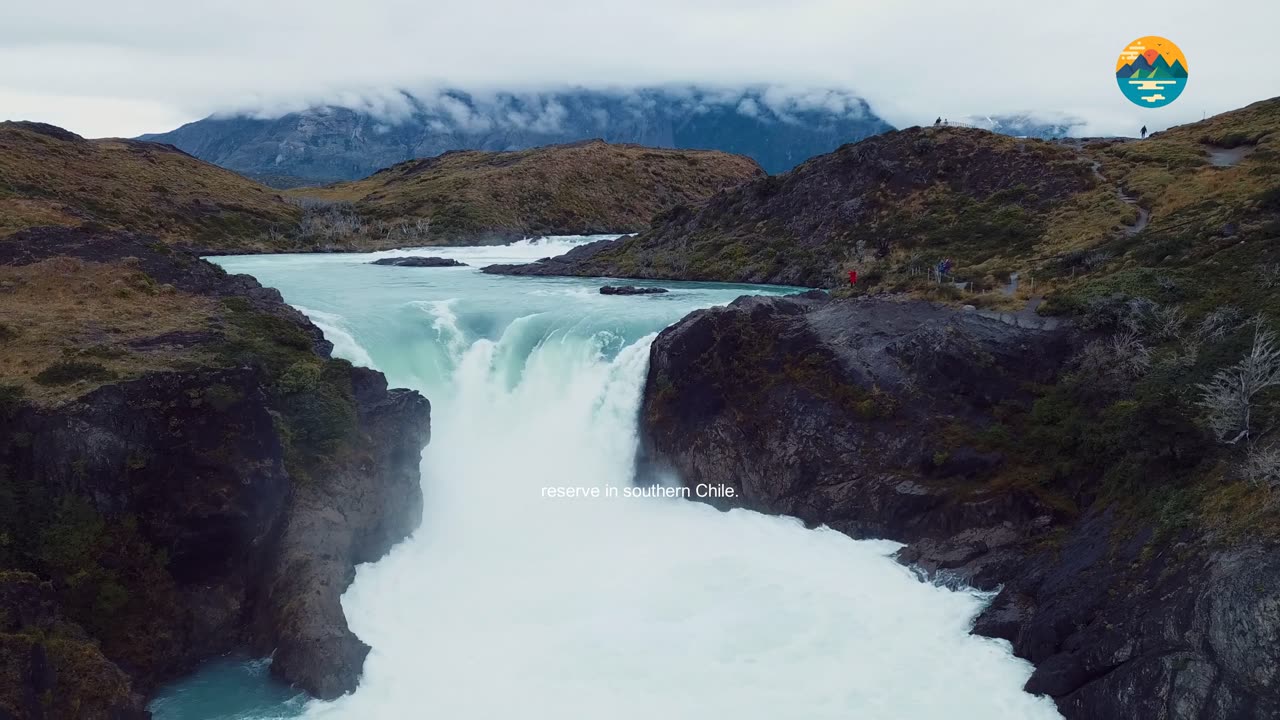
{"x":125,"y":67}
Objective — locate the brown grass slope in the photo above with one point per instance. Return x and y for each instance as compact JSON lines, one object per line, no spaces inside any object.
{"x":49,"y":176}
{"x":477,"y":197}
{"x":952,"y":190}
{"x":1213,"y":192}
{"x":1070,"y":216}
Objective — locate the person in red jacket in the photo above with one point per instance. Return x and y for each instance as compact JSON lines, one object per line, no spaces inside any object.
{"x":853,"y":278}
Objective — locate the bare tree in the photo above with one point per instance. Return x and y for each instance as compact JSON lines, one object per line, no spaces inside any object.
{"x":915,"y":264}
{"x":1230,"y":396}
{"x":1215,"y":326}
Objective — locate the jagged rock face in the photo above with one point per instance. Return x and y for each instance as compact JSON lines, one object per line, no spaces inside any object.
{"x":838,"y":413}
{"x":352,"y":515}
{"x":206,"y":484}
{"x":248,"y":509}
{"x":51,"y":668}
{"x":802,"y":407}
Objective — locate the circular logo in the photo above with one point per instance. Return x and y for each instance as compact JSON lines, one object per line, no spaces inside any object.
{"x":1151,"y":71}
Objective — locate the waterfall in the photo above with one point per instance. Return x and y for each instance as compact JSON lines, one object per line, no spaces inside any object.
{"x":507,"y":603}
{"x":514,"y":602}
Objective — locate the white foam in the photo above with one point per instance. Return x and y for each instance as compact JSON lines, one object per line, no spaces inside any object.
{"x":506,"y":604}
{"x":335,"y":331}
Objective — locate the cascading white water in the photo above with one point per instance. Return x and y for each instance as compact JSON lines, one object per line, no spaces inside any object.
{"x":344,"y":345}
{"x":510,"y":604}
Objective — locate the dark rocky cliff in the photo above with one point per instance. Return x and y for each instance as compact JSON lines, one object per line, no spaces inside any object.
{"x":941,"y":429}
{"x":171,"y":495}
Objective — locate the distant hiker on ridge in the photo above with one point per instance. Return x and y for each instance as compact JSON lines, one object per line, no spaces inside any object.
{"x":938,"y":121}
{"x":1144,"y":132}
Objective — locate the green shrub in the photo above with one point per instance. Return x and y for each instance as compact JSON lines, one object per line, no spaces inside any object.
{"x":260,"y":338}
{"x":1267,"y":200}
{"x":302,"y":376}
{"x":1231,"y":140}
{"x":222,"y":397}
{"x":11,"y":397}
{"x":66,"y":372}
{"x":316,"y":401}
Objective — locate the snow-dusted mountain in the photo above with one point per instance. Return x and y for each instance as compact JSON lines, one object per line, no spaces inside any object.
{"x":777,"y":128}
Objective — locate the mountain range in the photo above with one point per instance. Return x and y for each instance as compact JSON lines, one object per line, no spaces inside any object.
{"x":329,"y":143}
{"x":1026,"y":125}
{"x":1158,"y":69}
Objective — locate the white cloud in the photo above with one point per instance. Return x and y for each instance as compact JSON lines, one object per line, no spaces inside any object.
{"x":122,"y":67}
{"x":550,"y":119}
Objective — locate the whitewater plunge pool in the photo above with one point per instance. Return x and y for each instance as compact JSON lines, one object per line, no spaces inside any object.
{"x":508,"y":603}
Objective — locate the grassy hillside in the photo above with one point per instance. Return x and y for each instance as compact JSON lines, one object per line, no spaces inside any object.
{"x":71,"y":326}
{"x":1170,"y":412}
{"x":1196,"y":207}
{"x":49,"y":176}
{"x":1213,"y":192}
{"x":1165,"y":252}
{"x":467,"y":197}
{"x":886,"y":201}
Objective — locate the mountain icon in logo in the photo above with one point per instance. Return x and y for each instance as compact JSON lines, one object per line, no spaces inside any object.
{"x":1152,"y":71}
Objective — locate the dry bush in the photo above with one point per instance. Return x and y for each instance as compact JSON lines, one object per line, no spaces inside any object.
{"x":1262,"y":465}
{"x":1229,"y":397}
{"x":1122,"y":356}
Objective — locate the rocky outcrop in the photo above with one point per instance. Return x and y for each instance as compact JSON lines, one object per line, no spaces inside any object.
{"x":352,"y":515}
{"x":173,"y":516}
{"x":630,"y":290}
{"x":417,"y":261}
{"x":978,"y":194}
{"x":832,"y":402}
{"x":565,"y":264}
{"x":881,"y":419}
